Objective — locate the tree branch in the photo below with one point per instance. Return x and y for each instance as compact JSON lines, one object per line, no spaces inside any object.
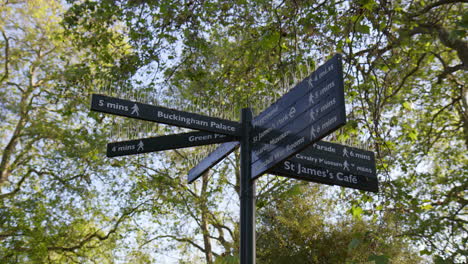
{"x":436,"y":4}
{"x":404,"y":79}
{"x":7,"y":57}
{"x":18,"y":186}
{"x":96,"y":234}
{"x":457,"y":44}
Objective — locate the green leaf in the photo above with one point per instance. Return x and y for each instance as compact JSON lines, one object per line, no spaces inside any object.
{"x":427,"y":207}
{"x":413,"y":135}
{"x":364,"y":29}
{"x":379,"y":259}
{"x":261,"y":204}
{"x":457,"y":33}
{"x":464,"y":21}
{"x":270,"y":40}
{"x":425,"y":252}
{"x":355,"y":242}
{"x":407,"y":105}
{"x":440,"y":260}
{"x":367,"y":4}
{"x":295,"y":190}
{"x":227,"y":260}
{"x":357,"y":212}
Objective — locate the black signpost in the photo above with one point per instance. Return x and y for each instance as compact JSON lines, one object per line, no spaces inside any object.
{"x":146,"y":145}
{"x":282,"y":140}
{"x":338,"y":157}
{"x":311,"y":110}
{"x":216,"y":156}
{"x":332,"y":164}
{"x":121,"y":107}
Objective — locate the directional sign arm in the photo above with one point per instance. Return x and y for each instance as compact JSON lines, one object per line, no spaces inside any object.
{"x":336,"y":156}
{"x":213,"y":158}
{"x":176,"y":141}
{"x":295,"y":142}
{"x":307,"y":172}
{"x":121,"y":107}
{"x":310,"y":111}
{"x":332,"y":164}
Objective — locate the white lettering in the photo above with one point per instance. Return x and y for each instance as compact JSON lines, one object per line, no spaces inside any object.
{"x":117,"y":106}
{"x":328,"y":105}
{"x":282,"y":136}
{"x":187,"y":120}
{"x":219,"y":136}
{"x":332,"y":163}
{"x":361,"y":156}
{"x":324,"y":148}
{"x":363,"y":169}
{"x":292,"y":111}
{"x":125,"y":148}
{"x":329,"y":122}
{"x":346,"y":178}
{"x":339,"y":176}
{"x":295,"y":144}
{"x":326,"y":89}
{"x":199,"y":138}
{"x":312,"y":171}
{"x":222,"y":126}
{"x":262,"y":134}
{"x":266,"y":117}
{"x":308,"y":158}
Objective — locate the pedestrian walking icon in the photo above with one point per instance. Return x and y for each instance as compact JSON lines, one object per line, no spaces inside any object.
{"x":312,"y":115}
{"x":346,"y":165}
{"x":140,"y":146}
{"x":135,"y":110}
{"x":311,"y":98}
{"x":310,"y":81}
{"x":345,"y":152}
{"x":312,"y":133}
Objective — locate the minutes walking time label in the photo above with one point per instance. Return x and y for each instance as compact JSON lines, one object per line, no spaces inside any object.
{"x":121,"y":107}
{"x":311,"y":110}
{"x":160,"y":143}
{"x":333,"y":164}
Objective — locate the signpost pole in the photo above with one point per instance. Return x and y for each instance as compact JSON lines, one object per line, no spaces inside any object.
{"x":247,"y":195}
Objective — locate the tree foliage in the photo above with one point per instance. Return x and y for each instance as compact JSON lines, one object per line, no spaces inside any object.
{"x":302,"y":226}
{"x":51,"y":204}
{"x":61,"y":201}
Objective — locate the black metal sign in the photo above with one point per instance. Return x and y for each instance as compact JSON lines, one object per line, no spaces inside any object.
{"x":213,"y":158}
{"x":310,"y":111}
{"x":333,"y":164}
{"x":153,"y":144}
{"x":309,"y":172}
{"x":338,"y":157}
{"x":296,"y":142}
{"x":314,"y":115}
{"x":121,"y":107}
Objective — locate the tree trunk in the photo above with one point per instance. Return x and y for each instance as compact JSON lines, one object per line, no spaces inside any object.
{"x":204,"y":221}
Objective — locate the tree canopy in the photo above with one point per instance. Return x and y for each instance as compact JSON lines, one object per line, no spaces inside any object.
{"x":62,"y":201}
